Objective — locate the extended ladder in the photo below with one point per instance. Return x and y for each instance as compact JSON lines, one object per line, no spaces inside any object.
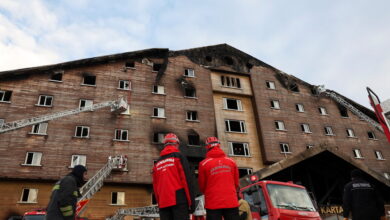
{"x":96,"y":182}
{"x":353,"y":109}
{"x":117,"y":106}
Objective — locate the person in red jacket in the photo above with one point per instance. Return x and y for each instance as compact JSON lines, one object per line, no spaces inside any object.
{"x":173,"y":182}
{"x":218,"y":180}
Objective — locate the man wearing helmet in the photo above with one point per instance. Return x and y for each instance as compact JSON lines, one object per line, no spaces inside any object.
{"x":172,"y":182}
{"x":218,"y":180}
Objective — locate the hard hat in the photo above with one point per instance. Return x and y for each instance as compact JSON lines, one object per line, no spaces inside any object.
{"x":212,"y":142}
{"x":171,"y":138}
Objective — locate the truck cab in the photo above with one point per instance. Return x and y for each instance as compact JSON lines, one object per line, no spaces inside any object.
{"x":273,"y":200}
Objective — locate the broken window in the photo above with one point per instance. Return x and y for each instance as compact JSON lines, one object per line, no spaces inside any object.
{"x":158,"y":89}
{"x":231,"y":82}
{"x":194,"y":140}
{"x":343,"y":111}
{"x":232,"y":104}
{"x":378,"y":155}
{"x":294,"y":87}
{"x":209,"y":58}
{"x":238,"y":149}
{"x":270,"y":84}
{"x":82,"y":132}
{"x":299,"y":107}
{"x":284,"y":148}
{"x":192,"y":116}
{"x":56,"y":76}
{"x":157,"y":66}
{"x":5,"y":96}
{"x":40,"y":128}
{"x":159,"y":112}
{"x":78,"y":160}
{"x":118,"y":198}
{"x":322,"y":110}
{"x":244,"y":171}
{"x":235,"y":126}
{"x":305,"y":128}
{"x":328,"y":130}
{"x":275,"y":104}
{"x":33,"y":158}
{"x":189,"y":73}
{"x":371,"y":135}
{"x":190,"y":92}
{"x":29,"y":196}
{"x":158,"y":138}
{"x":124,"y":84}
{"x":130,"y":64}
{"x":279,"y":125}
{"x":45,"y":100}
{"x":350,"y":132}
{"x":89,"y":80}
{"x":121,"y":135}
{"x":357,"y":153}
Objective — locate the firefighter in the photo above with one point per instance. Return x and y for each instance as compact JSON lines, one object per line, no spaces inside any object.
{"x":63,"y":200}
{"x":361,"y":199}
{"x":218,"y":180}
{"x":173,"y":183}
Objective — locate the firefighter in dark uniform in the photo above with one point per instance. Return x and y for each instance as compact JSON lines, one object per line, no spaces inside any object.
{"x":361,"y":199}
{"x":64,"y":195}
{"x":173,"y":182}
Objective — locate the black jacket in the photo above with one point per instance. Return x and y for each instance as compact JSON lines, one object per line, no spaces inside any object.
{"x":361,"y":198}
{"x":63,"y":200}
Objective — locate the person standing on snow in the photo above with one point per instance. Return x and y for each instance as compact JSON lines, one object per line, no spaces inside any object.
{"x":218,"y":180}
{"x":63,"y":200}
{"x":173,"y":182}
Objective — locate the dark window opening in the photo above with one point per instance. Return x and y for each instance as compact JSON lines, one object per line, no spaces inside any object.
{"x":371,"y":135}
{"x":130,"y":64}
{"x":314,"y":91}
{"x":154,"y":200}
{"x":114,"y":198}
{"x":26,"y":192}
{"x":294,"y":87}
{"x":232,"y":104}
{"x":157,"y":66}
{"x":235,"y":126}
{"x":238,"y":83}
{"x":192,"y":115}
{"x":249,"y":65}
{"x":189,"y":92}
{"x":228,"y":60}
{"x":89,"y":80}
{"x":223,"y":80}
{"x":240,"y":149}
{"x":284,"y":148}
{"x":56,"y":76}
{"x":29,"y":158}
{"x":244,"y":171}
{"x":209,"y":58}
{"x":193,"y":139}
{"x":158,"y":137}
{"x":5,"y":96}
{"x":343,"y":111}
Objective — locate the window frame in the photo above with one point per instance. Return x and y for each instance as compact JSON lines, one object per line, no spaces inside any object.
{"x":322,"y":111}
{"x":117,"y":196}
{"x":299,"y":107}
{"x":160,"y":137}
{"x":228,"y":126}
{"x":86,"y":102}
{"x":245,"y":146}
{"x":272,"y":102}
{"x":238,"y":103}
{"x":3,"y":96}
{"x":45,"y":100}
{"x":159,"y":110}
{"x":54,"y":74}
{"x":373,"y":135}
{"x":193,"y":92}
{"x":82,"y":131}
{"x":305,"y":128}
{"x":157,"y":90}
{"x":327,"y":129}
{"x":231,"y":82}
{"x":270,"y":85}
{"x":248,"y":169}
{"x":83,"y":160}
{"x":86,"y":84}
{"x":277,"y":124}
{"x":282,"y":147}
{"x":121,"y":131}
{"x":40,"y":127}
{"x":357,"y":153}
{"x":189,"y":116}
{"x":29,"y":200}
{"x":187,"y":71}
{"x":123,"y":82}
{"x":378,"y":155}
{"x":198,"y":139}
{"x":37,"y":160}
{"x":350,"y":133}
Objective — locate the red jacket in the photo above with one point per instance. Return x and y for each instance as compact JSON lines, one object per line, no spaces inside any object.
{"x":172,"y":181}
{"x":218,"y":180}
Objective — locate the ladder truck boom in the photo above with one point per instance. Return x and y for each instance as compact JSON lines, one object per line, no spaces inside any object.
{"x":353,"y":109}
{"x":116,"y":106}
{"x":382,"y":111}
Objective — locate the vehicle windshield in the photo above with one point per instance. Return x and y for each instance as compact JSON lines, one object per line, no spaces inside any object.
{"x":288,"y":197}
{"x":34,"y":217}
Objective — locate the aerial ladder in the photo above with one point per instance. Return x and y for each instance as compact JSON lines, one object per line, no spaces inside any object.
{"x":117,"y":106}
{"x":382,"y":111}
{"x":321,"y":90}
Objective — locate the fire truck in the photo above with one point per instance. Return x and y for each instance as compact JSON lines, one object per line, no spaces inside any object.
{"x":274,"y":200}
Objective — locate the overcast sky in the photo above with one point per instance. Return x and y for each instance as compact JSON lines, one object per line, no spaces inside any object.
{"x":344,"y":45}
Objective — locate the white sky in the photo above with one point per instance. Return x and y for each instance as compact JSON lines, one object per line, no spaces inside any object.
{"x":342,"y":44}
